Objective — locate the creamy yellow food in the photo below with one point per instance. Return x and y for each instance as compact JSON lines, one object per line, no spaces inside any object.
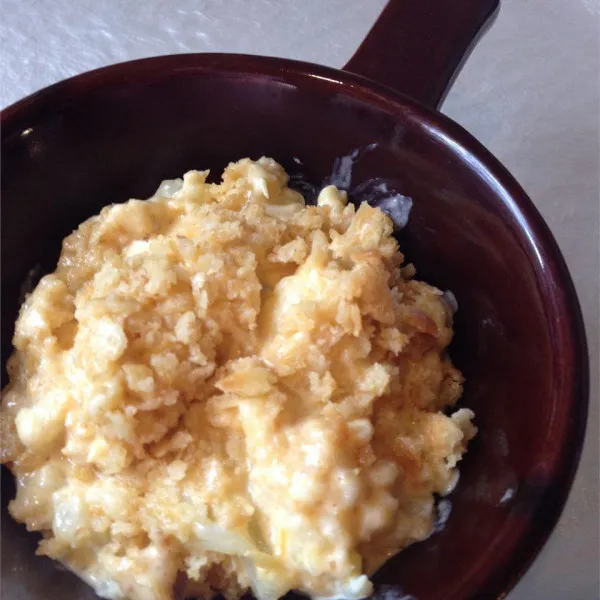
{"x":223,"y":389}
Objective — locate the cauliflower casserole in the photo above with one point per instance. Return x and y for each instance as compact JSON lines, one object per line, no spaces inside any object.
{"x":222,"y":389}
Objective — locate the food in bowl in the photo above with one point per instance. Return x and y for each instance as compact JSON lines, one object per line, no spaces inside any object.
{"x":223,"y":389}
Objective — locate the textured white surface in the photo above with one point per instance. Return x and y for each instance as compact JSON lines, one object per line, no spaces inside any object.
{"x":530,"y":92}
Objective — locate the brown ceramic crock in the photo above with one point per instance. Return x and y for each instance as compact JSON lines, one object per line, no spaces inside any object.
{"x":115,"y":133}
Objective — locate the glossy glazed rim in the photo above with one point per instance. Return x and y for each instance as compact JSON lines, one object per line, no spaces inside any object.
{"x":561,"y":305}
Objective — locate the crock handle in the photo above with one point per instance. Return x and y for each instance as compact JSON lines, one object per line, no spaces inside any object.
{"x":416,"y":46}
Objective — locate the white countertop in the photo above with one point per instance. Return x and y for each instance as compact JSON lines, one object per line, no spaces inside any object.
{"x":529,"y":92}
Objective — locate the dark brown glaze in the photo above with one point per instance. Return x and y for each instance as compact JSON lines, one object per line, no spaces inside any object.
{"x":420,"y":61}
{"x":117,"y":132}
